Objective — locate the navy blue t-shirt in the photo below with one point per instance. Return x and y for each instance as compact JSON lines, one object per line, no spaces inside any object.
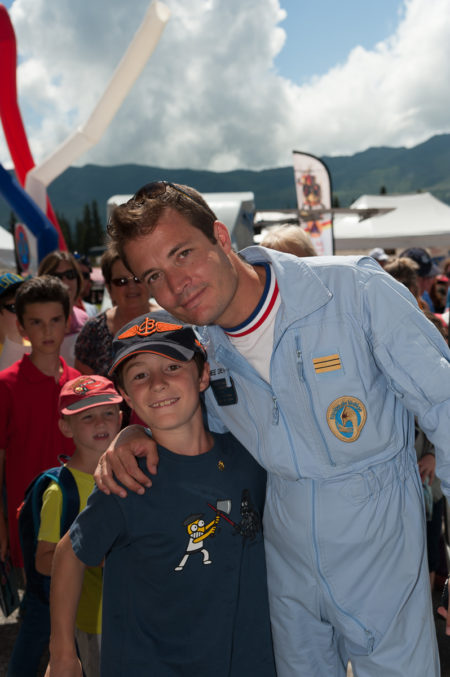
{"x":185,"y":579}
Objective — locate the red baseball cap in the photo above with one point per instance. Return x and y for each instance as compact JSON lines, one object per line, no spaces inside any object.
{"x":85,"y":392}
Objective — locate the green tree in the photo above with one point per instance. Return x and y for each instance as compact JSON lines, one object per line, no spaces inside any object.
{"x":335,"y":201}
{"x":65,"y":230}
{"x":87,"y":219}
{"x":97,"y":235}
{"x":89,"y":230}
{"x":80,"y":235}
{"x":383,"y":190}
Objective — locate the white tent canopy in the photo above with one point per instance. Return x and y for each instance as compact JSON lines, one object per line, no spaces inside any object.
{"x":7,"y":259}
{"x":417,"y":219}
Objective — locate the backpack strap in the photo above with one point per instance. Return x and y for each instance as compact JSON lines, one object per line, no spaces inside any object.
{"x":36,"y":491}
{"x":70,"y":497}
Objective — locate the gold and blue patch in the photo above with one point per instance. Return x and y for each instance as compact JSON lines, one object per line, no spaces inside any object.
{"x":346,"y":417}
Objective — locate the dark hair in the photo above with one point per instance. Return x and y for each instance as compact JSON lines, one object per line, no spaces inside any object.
{"x":83,"y":260}
{"x":405,"y":270}
{"x":198,"y":358}
{"x":445,"y":264}
{"x":50,"y":263}
{"x":437,"y":323}
{"x":109,"y":257}
{"x":139,"y":216}
{"x":42,"y":289}
{"x":8,"y":296}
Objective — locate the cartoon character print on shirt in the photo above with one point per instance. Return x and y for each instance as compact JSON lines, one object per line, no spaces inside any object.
{"x":250,"y":523}
{"x":199,"y":532}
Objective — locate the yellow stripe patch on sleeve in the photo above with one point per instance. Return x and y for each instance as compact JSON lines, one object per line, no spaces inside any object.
{"x":327,"y":363}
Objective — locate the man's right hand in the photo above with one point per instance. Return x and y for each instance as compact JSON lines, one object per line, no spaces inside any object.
{"x":119,"y":461}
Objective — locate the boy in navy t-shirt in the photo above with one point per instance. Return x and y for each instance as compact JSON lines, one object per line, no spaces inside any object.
{"x":185,"y":578}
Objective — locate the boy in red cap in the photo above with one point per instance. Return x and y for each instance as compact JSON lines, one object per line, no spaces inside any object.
{"x":90,"y":415}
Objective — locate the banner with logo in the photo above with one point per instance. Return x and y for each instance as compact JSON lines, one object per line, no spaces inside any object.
{"x":313,"y":188}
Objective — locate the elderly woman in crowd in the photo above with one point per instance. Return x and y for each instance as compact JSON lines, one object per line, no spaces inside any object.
{"x":289,"y":239}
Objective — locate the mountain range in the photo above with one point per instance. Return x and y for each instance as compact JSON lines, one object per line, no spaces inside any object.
{"x":425,"y":167}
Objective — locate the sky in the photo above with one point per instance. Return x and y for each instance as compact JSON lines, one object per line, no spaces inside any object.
{"x":236,"y":84}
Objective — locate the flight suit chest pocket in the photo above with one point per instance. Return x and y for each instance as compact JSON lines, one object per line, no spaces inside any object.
{"x":337,"y":373}
{"x":345,"y":412}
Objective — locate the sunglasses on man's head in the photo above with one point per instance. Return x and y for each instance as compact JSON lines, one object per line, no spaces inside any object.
{"x":86,"y":276}
{"x":123,"y":281}
{"x":157,"y":188}
{"x":11,"y":307}
{"x":66,"y":274}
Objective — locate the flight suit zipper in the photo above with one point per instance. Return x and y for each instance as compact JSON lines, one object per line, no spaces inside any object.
{"x":307,"y":397}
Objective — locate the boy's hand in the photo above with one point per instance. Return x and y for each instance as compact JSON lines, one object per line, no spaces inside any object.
{"x":427,"y":467}
{"x":444,"y":607}
{"x":444,"y":612}
{"x":119,"y":460}
{"x":64,"y":668}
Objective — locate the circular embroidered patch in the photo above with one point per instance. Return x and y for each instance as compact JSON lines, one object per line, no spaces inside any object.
{"x":346,"y":417}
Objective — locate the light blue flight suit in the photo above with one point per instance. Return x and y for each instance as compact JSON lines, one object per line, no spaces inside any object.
{"x":353,"y":360}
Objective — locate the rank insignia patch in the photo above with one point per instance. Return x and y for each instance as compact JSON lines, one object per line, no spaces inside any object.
{"x":327,"y":363}
{"x":346,"y":417}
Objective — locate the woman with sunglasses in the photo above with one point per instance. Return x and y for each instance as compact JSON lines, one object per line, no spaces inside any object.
{"x":62,"y":264}
{"x":93,"y":348}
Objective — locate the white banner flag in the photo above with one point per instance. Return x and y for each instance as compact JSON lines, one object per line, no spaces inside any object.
{"x":313,"y":187}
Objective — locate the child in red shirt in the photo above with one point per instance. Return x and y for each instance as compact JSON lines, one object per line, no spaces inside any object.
{"x":30,"y":439}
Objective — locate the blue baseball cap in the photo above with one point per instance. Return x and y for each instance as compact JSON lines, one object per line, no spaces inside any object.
{"x":148,"y":334}
{"x":426,"y":266}
{"x":9,"y":282}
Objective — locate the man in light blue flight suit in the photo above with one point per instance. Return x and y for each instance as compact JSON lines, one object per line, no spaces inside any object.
{"x":338,"y":359}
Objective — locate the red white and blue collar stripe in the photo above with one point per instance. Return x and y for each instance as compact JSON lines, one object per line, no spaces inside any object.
{"x":262,"y":310}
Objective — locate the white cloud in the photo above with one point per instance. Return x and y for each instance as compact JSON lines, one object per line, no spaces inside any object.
{"x":210,"y":96}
